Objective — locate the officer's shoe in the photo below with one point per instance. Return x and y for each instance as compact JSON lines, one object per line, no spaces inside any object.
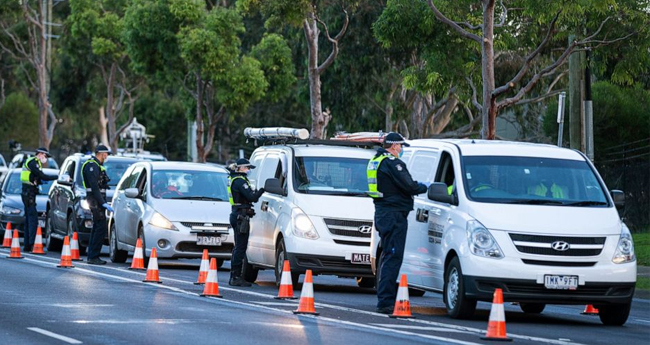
{"x":239,"y":281}
{"x":385,"y":310}
{"x":96,"y":261}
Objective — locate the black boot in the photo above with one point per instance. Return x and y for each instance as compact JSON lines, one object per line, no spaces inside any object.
{"x":237,"y":280}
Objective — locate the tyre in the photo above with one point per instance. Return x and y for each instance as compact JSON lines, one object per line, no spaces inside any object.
{"x":51,"y":243}
{"x":72,"y":227}
{"x":532,"y":308}
{"x":280,"y":256}
{"x":366,"y":282}
{"x":613,"y":315}
{"x":249,"y":272}
{"x":220,"y":263}
{"x":458,"y":306}
{"x":145,"y":258}
{"x":116,"y":255}
{"x":416,"y":292}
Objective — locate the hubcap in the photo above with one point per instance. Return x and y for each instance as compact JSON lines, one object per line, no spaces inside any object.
{"x":452,"y":288}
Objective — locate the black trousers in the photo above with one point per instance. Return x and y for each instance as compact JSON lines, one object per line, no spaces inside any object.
{"x":31,"y":219}
{"x":239,"y":251}
{"x":98,"y":233}
{"x":392,"y":226}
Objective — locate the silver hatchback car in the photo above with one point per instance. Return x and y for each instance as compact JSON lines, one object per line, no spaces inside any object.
{"x":179,"y":208}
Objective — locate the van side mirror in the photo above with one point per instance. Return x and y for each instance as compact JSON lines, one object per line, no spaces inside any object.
{"x":619,"y":198}
{"x":438,"y":192}
{"x":131,"y":193}
{"x":64,"y":180}
{"x":273,"y":185}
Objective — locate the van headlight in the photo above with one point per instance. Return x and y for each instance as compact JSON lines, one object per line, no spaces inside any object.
{"x":84,"y":204}
{"x":302,"y":225}
{"x":158,"y":220}
{"x":625,"y":247}
{"x":481,"y":242}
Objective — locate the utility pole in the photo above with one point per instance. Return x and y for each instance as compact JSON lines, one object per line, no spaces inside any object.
{"x":589,"y":111}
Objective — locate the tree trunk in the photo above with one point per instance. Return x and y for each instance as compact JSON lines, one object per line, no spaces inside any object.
{"x":487,"y":67}
{"x":44,"y":139}
{"x":110,"y":108}
{"x":103,"y":122}
{"x":200,"y":148}
{"x":318,"y":120}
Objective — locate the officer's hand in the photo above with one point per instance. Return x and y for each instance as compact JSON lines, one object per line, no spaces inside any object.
{"x":108,"y":207}
{"x":262,"y":190}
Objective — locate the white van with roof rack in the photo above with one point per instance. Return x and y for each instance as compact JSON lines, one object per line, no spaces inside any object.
{"x":315,"y":212}
{"x":535,"y":220}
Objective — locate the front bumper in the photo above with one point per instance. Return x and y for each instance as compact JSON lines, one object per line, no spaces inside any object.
{"x":332,"y":265}
{"x":182,"y":244}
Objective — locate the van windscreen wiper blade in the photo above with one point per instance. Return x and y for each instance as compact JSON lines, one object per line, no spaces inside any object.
{"x":586,"y":203}
{"x":535,"y":202}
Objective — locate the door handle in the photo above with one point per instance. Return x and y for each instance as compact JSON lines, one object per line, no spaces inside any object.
{"x":265,"y":206}
{"x":422,"y":215}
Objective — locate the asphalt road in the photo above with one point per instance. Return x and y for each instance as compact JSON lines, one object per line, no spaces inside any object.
{"x":43,"y":304}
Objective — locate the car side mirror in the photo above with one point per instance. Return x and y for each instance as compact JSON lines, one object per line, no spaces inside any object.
{"x":64,"y":180}
{"x":131,"y":193}
{"x":438,"y":192}
{"x":619,"y":198}
{"x":273,"y":185}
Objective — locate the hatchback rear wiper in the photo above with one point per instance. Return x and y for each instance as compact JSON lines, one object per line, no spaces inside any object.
{"x":535,"y":202}
{"x":207,"y":198}
{"x":585,"y":203}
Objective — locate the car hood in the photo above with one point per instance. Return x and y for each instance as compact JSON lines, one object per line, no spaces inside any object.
{"x":16,"y":201}
{"x":330,"y":206}
{"x":558,"y":220}
{"x":193,"y":210}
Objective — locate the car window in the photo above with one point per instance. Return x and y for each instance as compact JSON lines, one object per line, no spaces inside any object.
{"x":268,"y":169}
{"x":2,"y":161}
{"x":256,"y":160}
{"x":131,"y":180}
{"x":15,"y":186}
{"x":189,"y":185}
{"x":423,"y":165}
{"x":445,"y":172}
{"x":115,"y":169}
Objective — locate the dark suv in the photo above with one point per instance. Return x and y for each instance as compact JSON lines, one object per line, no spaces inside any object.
{"x":67,"y":207}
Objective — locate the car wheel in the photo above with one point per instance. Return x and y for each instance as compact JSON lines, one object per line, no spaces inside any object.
{"x":532,"y":308}
{"x":249,"y":272}
{"x":280,"y":256}
{"x":613,"y":315}
{"x":366,"y":282}
{"x":51,"y":243}
{"x":116,"y":255}
{"x":220,"y":263}
{"x":458,"y":306}
{"x":71,"y":229}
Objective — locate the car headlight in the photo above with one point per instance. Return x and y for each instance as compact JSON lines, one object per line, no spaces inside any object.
{"x":84,"y":204}
{"x":8,"y":210}
{"x":481,"y":242}
{"x":302,"y":225}
{"x":158,"y":220}
{"x":625,"y":247}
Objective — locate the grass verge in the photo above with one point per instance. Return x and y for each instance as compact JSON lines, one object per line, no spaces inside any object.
{"x":642,"y":248}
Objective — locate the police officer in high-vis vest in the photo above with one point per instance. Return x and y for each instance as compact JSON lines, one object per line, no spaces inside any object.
{"x":95,"y":180}
{"x":392,"y":189}
{"x":241,"y":197}
{"x":31,"y":177}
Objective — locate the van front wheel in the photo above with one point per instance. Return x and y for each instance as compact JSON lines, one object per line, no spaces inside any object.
{"x":458,"y":306}
{"x":613,"y":315}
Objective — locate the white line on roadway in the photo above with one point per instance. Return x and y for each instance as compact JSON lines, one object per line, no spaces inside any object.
{"x":421,"y":328}
{"x":54,"y":335}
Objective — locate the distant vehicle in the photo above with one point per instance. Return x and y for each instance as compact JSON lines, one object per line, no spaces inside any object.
{"x":20,"y":159}
{"x":179,"y":208}
{"x":142,"y":155}
{"x":68,"y":210}
{"x":3,"y":167}
{"x":12,"y":208}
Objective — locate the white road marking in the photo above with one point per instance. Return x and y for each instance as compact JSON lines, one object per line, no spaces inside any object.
{"x":150,"y":321}
{"x":282,"y":304}
{"x":639,"y":320}
{"x":54,"y":335}
{"x":78,"y":305}
{"x":422,"y":328}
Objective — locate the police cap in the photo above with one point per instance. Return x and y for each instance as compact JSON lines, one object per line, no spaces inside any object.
{"x":102,"y":149}
{"x":395,"y":138}
{"x":43,"y":150}
{"x":243,"y":162}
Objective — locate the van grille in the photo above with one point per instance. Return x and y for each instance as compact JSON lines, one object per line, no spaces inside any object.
{"x":217,"y":226}
{"x":350,"y":228}
{"x":542,"y":245}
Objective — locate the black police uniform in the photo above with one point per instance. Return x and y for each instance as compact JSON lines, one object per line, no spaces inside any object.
{"x":395,"y":183}
{"x":28,"y":195}
{"x":243,"y":197}
{"x":96,"y":183}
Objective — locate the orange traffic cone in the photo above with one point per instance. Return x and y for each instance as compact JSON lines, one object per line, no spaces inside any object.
{"x":286,"y":287}
{"x":211,"y":287}
{"x":15,"y":247}
{"x":74,"y":247}
{"x":402,"y":304}
{"x":6,"y":242}
{"x":152,"y":270}
{"x":203,"y":270}
{"x":497,"y":324}
{"x":306,"y":305}
{"x":590,"y":310}
{"x":138,"y":257}
{"x":38,"y":242}
{"x":66,"y":259}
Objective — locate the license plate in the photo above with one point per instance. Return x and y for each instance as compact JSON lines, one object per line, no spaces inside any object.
{"x":208,"y":240}
{"x":561,"y":282}
{"x":363,"y":259}
{"x":41,"y":223}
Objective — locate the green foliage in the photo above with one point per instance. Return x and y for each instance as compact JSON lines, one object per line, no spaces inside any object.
{"x":275,"y":57}
{"x":245,"y":84}
{"x":642,"y":248}
{"x":19,"y":120}
{"x":278,"y":12}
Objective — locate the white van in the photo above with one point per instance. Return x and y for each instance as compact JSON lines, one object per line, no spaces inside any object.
{"x":535,"y":220}
{"x":315,"y":212}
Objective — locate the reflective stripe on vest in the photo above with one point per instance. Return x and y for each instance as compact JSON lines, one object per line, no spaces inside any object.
{"x":230,"y":181}
{"x":83,"y":178}
{"x":25,"y":174}
{"x":371,"y":172}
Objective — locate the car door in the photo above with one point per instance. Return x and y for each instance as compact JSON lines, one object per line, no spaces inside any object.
{"x":133,"y":209}
{"x":123,"y":208}
{"x":55,"y":200}
{"x":266,"y":209}
{"x":119,"y":204}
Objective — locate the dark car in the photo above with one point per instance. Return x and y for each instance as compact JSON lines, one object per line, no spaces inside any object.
{"x":12,"y":209}
{"x":68,"y":210}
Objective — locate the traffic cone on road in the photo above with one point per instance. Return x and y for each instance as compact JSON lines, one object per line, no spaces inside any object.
{"x":74,"y":247}
{"x":138,"y":257}
{"x":66,"y":259}
{"x":286,"y":286}
{"x":38,"y":242}
{"x":402,"y":304}
{"x":211,"y":287}
{"x":15,"y":247}
{"x":203,"y":270}
{"x":497,"y":324}
{"x":6,"y":242}
{"x":152,"y":270}
{"x":590,"y":310}
{"x":306,"y":305}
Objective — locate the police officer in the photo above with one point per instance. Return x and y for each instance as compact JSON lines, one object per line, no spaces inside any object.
{"x":241,"y":197}
{"x":95,"y":180}
{"x":31,"y":177}
{"x":392,"y":189}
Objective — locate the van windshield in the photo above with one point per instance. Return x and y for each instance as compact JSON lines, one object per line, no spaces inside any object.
{"x":533,"y":181}
{"x":331,"y":176}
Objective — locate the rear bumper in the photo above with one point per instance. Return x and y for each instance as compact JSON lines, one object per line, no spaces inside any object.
{"x":18,"y":221}
{"x":331,"y":265}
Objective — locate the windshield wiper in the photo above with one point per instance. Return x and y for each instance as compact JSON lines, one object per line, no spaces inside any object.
{"x":586,"y":203}
{"x":535,"y":202}
{"x":207,"y":198}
